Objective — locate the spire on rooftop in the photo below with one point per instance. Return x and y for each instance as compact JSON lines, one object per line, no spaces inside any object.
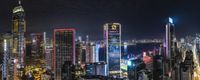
{"x":19,"y":2}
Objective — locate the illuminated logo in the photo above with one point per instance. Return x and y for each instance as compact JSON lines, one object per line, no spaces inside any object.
{"x":114,"y":27}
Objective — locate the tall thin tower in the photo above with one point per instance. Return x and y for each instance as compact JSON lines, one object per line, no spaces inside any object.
{"x":6,"y":57}
{"x":170,"y":46}
{"x":18,"y":31}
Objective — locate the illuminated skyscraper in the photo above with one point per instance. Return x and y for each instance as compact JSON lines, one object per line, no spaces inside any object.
{"x":49,"y":53}
{"x":6,"y":57}
{"x":170,"y":45}
{"x":18,"y":32}
{"x":64,"y":53}
{"x":96,"y":55}
{"x":112,"y":37}
{"x":83,"y":60}
{"x":93,"y":54}
{"x":97,"y":68}
{"x":90,"y":52}
{"x":170,"y":36}
{"x":79,"y":50}
{"x":37,"y":49}
{"x":102,"y":52}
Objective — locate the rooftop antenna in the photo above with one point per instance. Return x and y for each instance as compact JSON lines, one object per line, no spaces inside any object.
{"x":19,"y":2}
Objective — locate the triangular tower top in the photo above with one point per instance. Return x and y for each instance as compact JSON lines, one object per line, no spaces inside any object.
{"x":18,"y":8}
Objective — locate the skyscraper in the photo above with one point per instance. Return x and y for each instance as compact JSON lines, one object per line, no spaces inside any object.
{"x":170,"y":46}
{"x":64,"y":53}
{"x":6,"y":57}
{"x":102,"y":52}
{"x":37,"y":49}
{"x":112,"y":37}
{"x":79,"y":50}
{"x":18,"y":32}
{"x":90,"y":52}
{"x":170,"y":36}
{"x":49,"y":53}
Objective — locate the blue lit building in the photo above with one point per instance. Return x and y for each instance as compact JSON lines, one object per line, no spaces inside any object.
{"x":112,"y":37}
{"x":6,"y":56}
{"x":102,"y":52}
{"x":96,"y":69}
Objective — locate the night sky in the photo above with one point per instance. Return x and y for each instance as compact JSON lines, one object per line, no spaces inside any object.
{"x":139,"y":18}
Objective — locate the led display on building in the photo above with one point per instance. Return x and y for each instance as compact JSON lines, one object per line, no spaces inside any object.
{"x":113,"y":44}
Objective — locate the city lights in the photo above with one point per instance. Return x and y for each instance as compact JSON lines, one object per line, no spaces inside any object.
{"x":66,"y":42}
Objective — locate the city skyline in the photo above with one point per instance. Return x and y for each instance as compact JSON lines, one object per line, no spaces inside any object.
{"x":139,"y":19}
{"x":106,"y":40}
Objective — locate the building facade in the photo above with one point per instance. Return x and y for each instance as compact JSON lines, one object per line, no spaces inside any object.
{"x":18,"y":39}
{"x":90,"y":52}
{"x":79,"y":51}
{"x":49,"y":53}
{"x":64,"y":53}
{"x":170,"y":47}
{"x":101,"y":50}
{"x":37,"y":46}
{"x":96,"y":69}
{"x":6,"y":66}
{"x":112,"y":37}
